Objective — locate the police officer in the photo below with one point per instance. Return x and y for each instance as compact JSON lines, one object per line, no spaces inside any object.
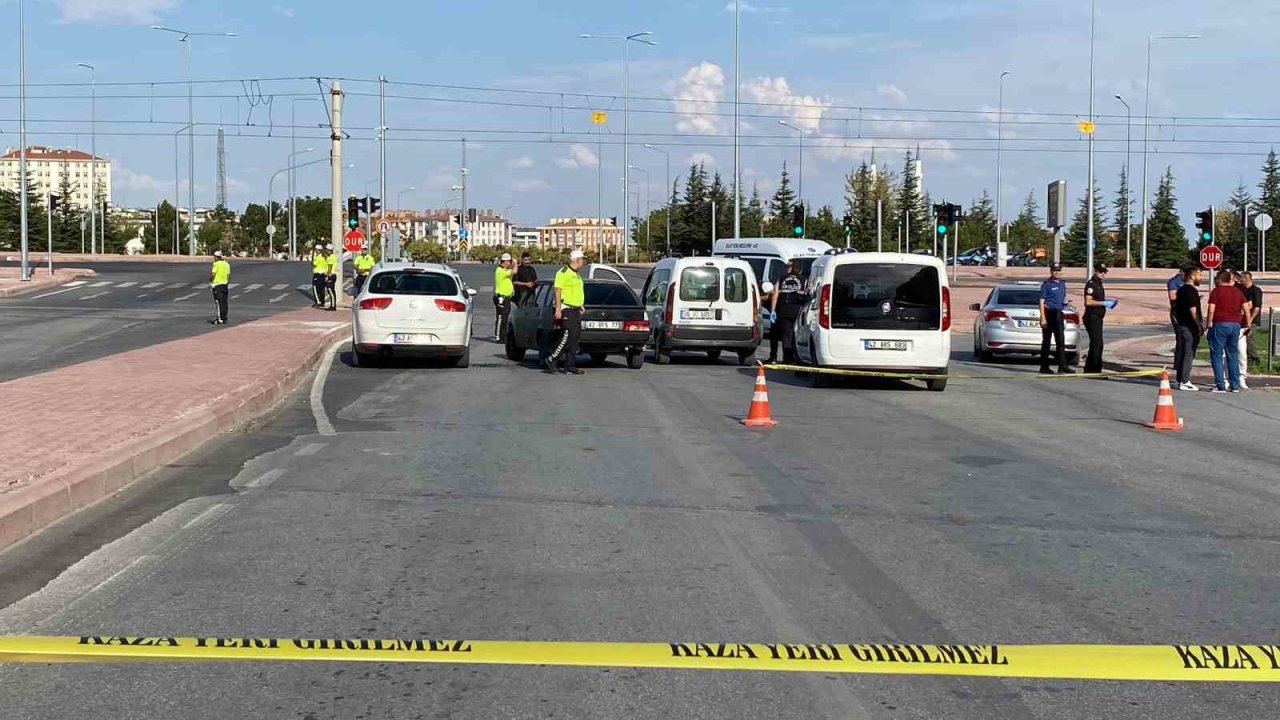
{"x":570,"y":297}
{"x":363,"y":264}
{"x":788,"y":298}
{"x":218,"y":279}
{"x":331,"y":278}
{"x":504,"y":290}
{"x":1053,"y":300}
{"x":319,"y":267}
{"x":1095,"y":309}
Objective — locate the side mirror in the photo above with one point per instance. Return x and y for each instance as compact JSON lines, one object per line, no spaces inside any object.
{"x":975,"y":307}
{"x":766,"y":288}
{"x":471,"y":292}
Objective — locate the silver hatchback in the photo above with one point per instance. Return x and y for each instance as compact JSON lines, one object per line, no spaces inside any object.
{"x":1009,"y":322}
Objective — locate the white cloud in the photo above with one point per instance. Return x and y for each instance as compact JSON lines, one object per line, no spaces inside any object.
{"x":138,"y":182}
{"x":892,"y":93}
{"x":804,"y":111}
{"x":703,"y":158}
{"x":696,"y":93}
{"x":443,"y":177}
{"x":523,"y":162}
{"x":580,"y":156}
{"x":113,"y":11}
{"x":281,"y":10}
{"x":534,"y":185}
{"x":749,"y":8}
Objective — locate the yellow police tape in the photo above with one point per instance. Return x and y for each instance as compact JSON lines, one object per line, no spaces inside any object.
{"x":1148,"y":372}
{"x":1236,"y":663}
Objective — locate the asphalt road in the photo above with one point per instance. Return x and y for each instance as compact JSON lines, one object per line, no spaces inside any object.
{"x":500,"y":503}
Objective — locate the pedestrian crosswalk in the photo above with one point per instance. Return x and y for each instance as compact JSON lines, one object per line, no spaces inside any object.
{"x":83,"y":290}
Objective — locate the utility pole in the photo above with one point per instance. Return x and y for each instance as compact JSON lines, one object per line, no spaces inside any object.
{"x":48,"y":224}
{"x":24,"y":227}
{"x":880,"y":225}
{"x":737,"y":172}
{"x":1088,"y":271}
{"x":462,"y":219}
{"x":335,"y":172}
{"x":382,"y":165}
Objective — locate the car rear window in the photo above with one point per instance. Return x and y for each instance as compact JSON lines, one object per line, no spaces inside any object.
{"x":404,"y":282}
{"x":700,"y":284}
{"x":609,"y":293}
{"x":735,"y":285}
{"x":886,"y":296}
{"x":1029,"y":297}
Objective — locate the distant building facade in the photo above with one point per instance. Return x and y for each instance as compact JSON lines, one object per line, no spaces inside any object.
{"x":45,"y":169}
{"x":586,"y":234}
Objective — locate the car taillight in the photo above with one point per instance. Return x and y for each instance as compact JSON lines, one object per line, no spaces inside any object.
{"x":375,"y":303}
{"x":635,"y":326}
{"x":668,"y":313}
{"x":946,"y":309}
{"x":824,"y":307}
{"x":990,"y":315}
{"x":1072,"y":318}
{"x":451,"y":305}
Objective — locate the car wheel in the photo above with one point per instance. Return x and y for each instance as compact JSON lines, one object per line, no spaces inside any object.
{"x":515,"y":353}
{"x":635,"y":360}
{"x":599,"y":358}
{"x":936,"y":385}
{"x":745,"y":356}
{"x":713,"y":355}
{"x":987,"y":356}
{"x":660,"y":357}
{"x":463,"y":360}
{"x":817,"y":379}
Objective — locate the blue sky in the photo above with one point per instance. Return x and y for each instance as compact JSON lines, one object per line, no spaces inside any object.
{"x":855,"y":76}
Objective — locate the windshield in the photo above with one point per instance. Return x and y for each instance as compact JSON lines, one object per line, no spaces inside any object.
{"x":700,"y":284}
{"x":609,"y":293}
{"x":397,"y":282}
{"x":1020,"y":297}
{"x":886,"y":296}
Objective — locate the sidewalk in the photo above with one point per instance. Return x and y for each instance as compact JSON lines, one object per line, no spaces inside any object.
{"x":11,"y":285}
{"x":1151,"y":351}
{"x":75,"y":435}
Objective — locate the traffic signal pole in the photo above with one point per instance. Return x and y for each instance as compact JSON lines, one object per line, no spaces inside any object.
{"x":336,"y":230}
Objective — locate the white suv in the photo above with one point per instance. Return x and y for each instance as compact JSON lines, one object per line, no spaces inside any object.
{"x":412,"y":309}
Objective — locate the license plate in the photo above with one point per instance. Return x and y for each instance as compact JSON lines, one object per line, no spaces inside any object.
{"x":602,"y":325}
{"x":405,"y":339}
{"x":899,"y":345}
{"x":1028,"y":323}
{"x":697,"y":314}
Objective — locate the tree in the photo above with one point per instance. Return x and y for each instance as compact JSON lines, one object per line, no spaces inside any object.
{"x":218,"y":232}
{"x":912,"y":213}
{"x":718,"y":194}
{"x":1075,"y":246}
{"x":693,"y":229}
{"x":979,"y":224}
{"x":10,"y":218}
{"x":1166,"y":238}
{"x":860,"y":202}
{"x":784,"y":200}
{"x":753,"y":218}
{"x":1269,"y":203}
{"x":67,"y":218}
{"x":1227,"y":232}
{"x":1122,"y":211}
{"x":168,"y":214}
{"x":882,"y":194}
{"x":824,"y":226}
{"x":1025,"y":232}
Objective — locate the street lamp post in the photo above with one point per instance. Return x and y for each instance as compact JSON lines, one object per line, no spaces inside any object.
{"x":93,"y":152}
{"x":1128,"y":179}
{"x":999,"y":144}
{"x":24,"y":227}
{"x":177,"y":194}
{"x":271,"y":192}
{"x":647,"y":189}
{"x":737,"y":172}
{"x":639,"y":37}
{"x":1146,"y":129}
{"x":293,"y":176}
{"x":401,"y":194}
{"x":800,"y":175}
{"x":1093,"y":6}
{"x":185,"y":37}
{"x":667,"y":199}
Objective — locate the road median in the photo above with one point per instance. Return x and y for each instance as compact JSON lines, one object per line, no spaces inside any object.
{"x":75,"y":435}
{"x":11,"y":283}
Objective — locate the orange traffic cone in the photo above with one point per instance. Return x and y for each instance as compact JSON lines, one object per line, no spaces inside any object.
{"x":1166,"y":417}
{"x":758,"y":414}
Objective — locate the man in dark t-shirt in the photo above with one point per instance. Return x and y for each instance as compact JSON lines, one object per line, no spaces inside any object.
{"x":525,"y":279}
{"x":1253,"y":294}
{"x":1188,"y":323}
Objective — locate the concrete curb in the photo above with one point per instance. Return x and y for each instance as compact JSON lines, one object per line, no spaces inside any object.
{"x":26,"y":510}
{"x":60,"y":276}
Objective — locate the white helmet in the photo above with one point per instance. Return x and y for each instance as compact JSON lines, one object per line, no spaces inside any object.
{"x":505,"y":257}
{"x":328,"y":247}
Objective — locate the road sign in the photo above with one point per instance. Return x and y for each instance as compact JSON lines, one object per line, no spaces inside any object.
{"x":599,"y":117}
{"x":1086,"y":127}
{"x":1262,"y":221}
{"x":462,"y":245}
{"x":1056,"y":211}
{"x":353,"y":240}
{"x":384,"y":227}
{"x":1211,"y":256}
{"x":271,"y":229}
{"x":463,"y":233}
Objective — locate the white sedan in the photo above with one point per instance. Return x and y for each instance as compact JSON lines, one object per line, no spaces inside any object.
{"x":412,"y":309}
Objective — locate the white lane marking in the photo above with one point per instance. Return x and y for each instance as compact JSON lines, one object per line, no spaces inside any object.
{"x":144,"y":295}
{"x":251,"y":288}
{"x":280,"y":286}
{"x":136,"y":562}
{"x":303,"y":287}
{"x":323,"y":426}
{"x":126,"y":284}
{"x":55,"y":292}
{"x":233,"y":297}
{"x":103,"y":283}
{"x":150,"y":285}
{"x":265,"y":479}
{"x":74,"y":283}
{"x":208,"y":515}
{"x":184,"y":297}
{"x":95,"y":295}
{"x":310,"y":448}
{"x":281,"y":297}
{"x":232,"y":286}
{"x":175,"y":286}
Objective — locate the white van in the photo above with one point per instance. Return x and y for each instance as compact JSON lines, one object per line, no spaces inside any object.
{"x":706,"y":304}
{"x":877,"y":311}
{"x":768,"y":256}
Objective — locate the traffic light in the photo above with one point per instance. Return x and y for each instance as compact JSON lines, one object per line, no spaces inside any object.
{"x":797,"y":220}
{"x":1204,"y":223}
{"x":373,"y":204}
{"x":1242,"y":215}
{"x":53,"y":203}
{"x":472,"y":215}
{"x":353,"y":212}
{"x":848,"y":224}
{"x":457,"y":219}
{"x":942,"y":211}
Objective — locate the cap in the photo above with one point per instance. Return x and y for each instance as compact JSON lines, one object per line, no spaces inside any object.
{"x":319,"y":246}
{"x":1100,"y":268}
{"x":217,"y":253}
{"x":577,"y":255}
{"x":1056,"y":267}
{"x":505,"y":257}
{"x":328,"y":247}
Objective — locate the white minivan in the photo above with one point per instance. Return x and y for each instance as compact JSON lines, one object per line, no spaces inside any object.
{"x":877,"y":311}
{"x":769,"y":256}
{"x":703,"y":304}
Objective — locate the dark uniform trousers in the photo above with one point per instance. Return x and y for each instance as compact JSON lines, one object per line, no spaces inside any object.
{"x":220,"y":299}
{"x":331,"y":291}
{"x":1053,"y":327}
{"x":571,"y":324}
{"x":783,"y":333}
{"x":502,"y":304}
{"x":319,"y":287}
{"x":1093,"y":326}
